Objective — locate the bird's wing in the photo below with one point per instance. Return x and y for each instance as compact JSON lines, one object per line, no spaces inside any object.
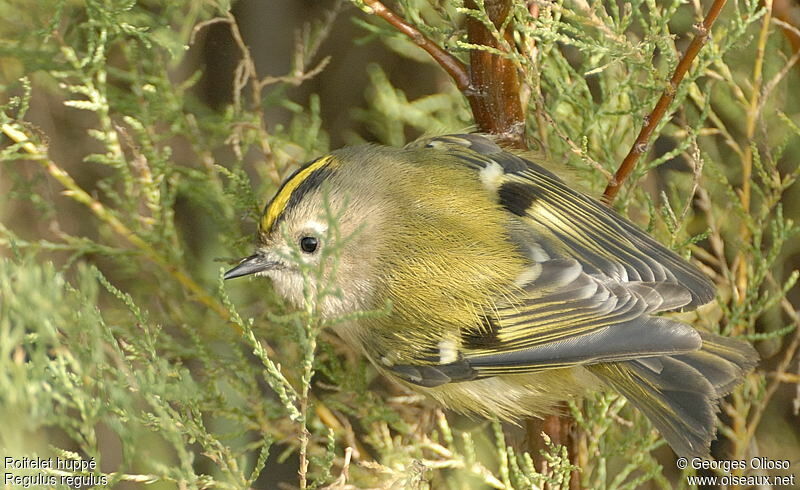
{"x":561,"y":318}
{"x":589,"y":296}
{"x":565,"y":317}
{"x":570,"y":224}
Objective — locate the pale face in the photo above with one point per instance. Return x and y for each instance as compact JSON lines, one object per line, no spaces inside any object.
{"x":337,"y":260}
{"x":301,"y":238}
{"x":341,"y":259}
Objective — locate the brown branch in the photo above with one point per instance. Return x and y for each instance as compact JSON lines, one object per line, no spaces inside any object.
{"x":452,"y":65}
{"x":562,"y":431}
{"x":491,"y":83}
{"x":495,"y":80}
{"x":702,"y":32}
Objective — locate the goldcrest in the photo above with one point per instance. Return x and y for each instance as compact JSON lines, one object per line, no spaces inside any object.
{"x":509,"y":291}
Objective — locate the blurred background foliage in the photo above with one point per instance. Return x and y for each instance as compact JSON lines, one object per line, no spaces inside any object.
{"x":140,"y":139}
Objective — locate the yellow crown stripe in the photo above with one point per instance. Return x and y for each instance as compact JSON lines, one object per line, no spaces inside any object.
{"x":281,"y":199}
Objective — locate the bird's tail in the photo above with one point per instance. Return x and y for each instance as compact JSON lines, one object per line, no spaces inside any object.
{"x":680,"y":393}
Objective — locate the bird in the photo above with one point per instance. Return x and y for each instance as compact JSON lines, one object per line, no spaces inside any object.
{"x":508,"y":291}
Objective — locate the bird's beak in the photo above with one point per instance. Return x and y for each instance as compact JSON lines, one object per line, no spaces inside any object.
{"x":250,"y":265}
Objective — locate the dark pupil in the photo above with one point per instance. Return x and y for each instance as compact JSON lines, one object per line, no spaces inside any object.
{"x":308,"y":244}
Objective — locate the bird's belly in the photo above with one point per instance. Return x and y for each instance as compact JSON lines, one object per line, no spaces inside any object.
{"x":514,"y":397}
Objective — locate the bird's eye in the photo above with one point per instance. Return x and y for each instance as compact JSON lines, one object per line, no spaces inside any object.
{"x":309,"y":244}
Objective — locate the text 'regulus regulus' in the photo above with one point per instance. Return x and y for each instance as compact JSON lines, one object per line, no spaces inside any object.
{"x":509,"y":291}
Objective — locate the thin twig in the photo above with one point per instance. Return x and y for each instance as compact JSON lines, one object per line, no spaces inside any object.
{"x":593,"y":20}
{"x":782,"y":9}
{"x":783,"y":72}
{"x":784,"y":377}
{"x":741,"y":262}
{"x":702,"y":32}
{"x":246,"y":74}
{"x":534,"y":82}
{"x":783,"y":366}
{"x":39,"y":154}
{"x":453,"y":66}
{"x":573,"y":147}
{"x":721,"y":127}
